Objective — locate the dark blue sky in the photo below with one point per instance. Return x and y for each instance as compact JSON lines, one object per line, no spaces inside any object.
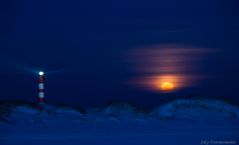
{"x":81,"y":46}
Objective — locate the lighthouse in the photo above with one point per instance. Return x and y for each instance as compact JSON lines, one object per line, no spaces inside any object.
{"x":41,"y":93}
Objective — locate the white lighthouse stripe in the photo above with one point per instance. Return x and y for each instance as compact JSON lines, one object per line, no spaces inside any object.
{"x":41,"y":86}
{"x":41,"y":94}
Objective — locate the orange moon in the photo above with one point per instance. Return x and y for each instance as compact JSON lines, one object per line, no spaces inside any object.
{"x":167,"y":86}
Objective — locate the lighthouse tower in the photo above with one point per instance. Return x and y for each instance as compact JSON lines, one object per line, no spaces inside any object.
{"x":41,"y":93}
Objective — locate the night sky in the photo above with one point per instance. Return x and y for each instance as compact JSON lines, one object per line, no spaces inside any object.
{"x":88,"y":49}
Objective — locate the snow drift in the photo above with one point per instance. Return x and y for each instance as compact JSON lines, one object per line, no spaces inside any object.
{"x":119,"y":122}
{"x":24,"y":112}
{"x":118,"y":111}
{"x":196,"y":109}
{"x":122,"y":111}
{"x":120,"y":108}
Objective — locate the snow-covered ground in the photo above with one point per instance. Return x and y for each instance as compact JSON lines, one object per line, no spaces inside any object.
{"x":184,"y":121}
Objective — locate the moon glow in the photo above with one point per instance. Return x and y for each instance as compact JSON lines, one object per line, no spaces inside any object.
{"x":167,"y":86}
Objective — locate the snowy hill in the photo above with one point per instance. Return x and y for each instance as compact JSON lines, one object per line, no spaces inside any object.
{"x":24,"y":112}
{"x":120,"y":108}
{"x":118,"y":111}
{"x":196,"y":109}
{"x":122,"y":111}
{"x":9,"y":107}
{"x":119,"y":122}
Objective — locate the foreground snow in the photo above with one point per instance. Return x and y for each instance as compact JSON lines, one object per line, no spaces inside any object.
{"x":187,"y":122}
{"x":130,"y":133}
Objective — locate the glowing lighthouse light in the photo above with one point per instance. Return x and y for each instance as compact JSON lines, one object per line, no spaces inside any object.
{"x":41,"y":73}
{"x":41,"y":93}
